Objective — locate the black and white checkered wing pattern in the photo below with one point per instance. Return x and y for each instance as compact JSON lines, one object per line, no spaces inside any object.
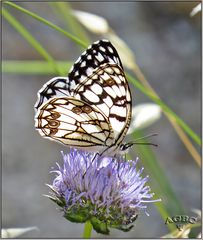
{"x":56,"y":87}
{"x":97,"y":82}
{"x":108,"y":91}
{"x":98,"y":53}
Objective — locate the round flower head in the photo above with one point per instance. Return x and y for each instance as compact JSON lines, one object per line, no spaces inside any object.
{"x":109,"y":192}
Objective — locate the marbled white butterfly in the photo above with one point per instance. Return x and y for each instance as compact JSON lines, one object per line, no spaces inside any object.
{"x":91,"y":108}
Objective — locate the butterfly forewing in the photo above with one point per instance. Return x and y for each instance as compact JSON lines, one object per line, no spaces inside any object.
{"x":91,"y":107}
{"x":56,"y":87}
{"x":98,"y":53}
{"x":107,"y":90}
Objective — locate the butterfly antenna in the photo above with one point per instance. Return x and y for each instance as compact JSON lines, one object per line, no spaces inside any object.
{"x":147,"y":136}
{"x":143,"y":143}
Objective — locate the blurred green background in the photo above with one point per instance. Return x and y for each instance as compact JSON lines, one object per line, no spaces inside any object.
{"x":166,"y":42}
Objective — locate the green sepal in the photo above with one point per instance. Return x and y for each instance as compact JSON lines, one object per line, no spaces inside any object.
{"x":55,"y":197}
{"x":99,"y":226}
{"x":123,"y":228}
{"x":79,"y":216}
{"x":58,"y":200}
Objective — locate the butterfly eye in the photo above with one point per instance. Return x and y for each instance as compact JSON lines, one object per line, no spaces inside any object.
{"x":53,"y":123}
{"x":77,"y":110}
{"x":86,"y":109}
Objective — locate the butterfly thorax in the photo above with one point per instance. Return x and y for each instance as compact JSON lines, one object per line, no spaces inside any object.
{"x":113,"y":150}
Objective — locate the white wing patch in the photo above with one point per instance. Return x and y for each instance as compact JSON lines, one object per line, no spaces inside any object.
{"x":91,"y":107}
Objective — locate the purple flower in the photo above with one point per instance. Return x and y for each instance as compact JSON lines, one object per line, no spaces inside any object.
{"x":107,"y":191}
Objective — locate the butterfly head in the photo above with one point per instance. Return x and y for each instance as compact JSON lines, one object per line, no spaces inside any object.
{"x":124,"y":147}
{"x":113,"y":150}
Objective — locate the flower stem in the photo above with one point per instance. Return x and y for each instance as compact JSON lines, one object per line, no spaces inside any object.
{"x":87,"y":230}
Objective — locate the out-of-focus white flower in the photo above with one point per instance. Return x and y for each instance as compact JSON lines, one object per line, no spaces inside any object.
{"x":184,"y":233}
{"x":195,"y":10}
{"x":15,"y":232}
{"x":197,"y":211}
{"x":144,"y":115}
{"x":125,"y":53}
{"x":100,"y":26}
{"x":92,"y":22}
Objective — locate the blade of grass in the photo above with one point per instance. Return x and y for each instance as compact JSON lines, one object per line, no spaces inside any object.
{"x":48,"y":23}
{"x":63,"y":9}
{"x":186,"y":141}
{"x":158,"y":181}
{"x":34,"y":67}
{"x":187,"y":129}
{"x":162,"y":211}
{"x":33,"y":42}
{"x":191,"y":149}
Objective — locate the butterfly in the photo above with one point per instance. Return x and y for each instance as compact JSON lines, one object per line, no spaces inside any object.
{"x":91,"y":108}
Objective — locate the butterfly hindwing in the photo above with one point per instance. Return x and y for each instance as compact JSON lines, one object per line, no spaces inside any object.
{"x":73,"y":122}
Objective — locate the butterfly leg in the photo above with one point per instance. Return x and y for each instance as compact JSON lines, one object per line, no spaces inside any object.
{"x":97,"y":155}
